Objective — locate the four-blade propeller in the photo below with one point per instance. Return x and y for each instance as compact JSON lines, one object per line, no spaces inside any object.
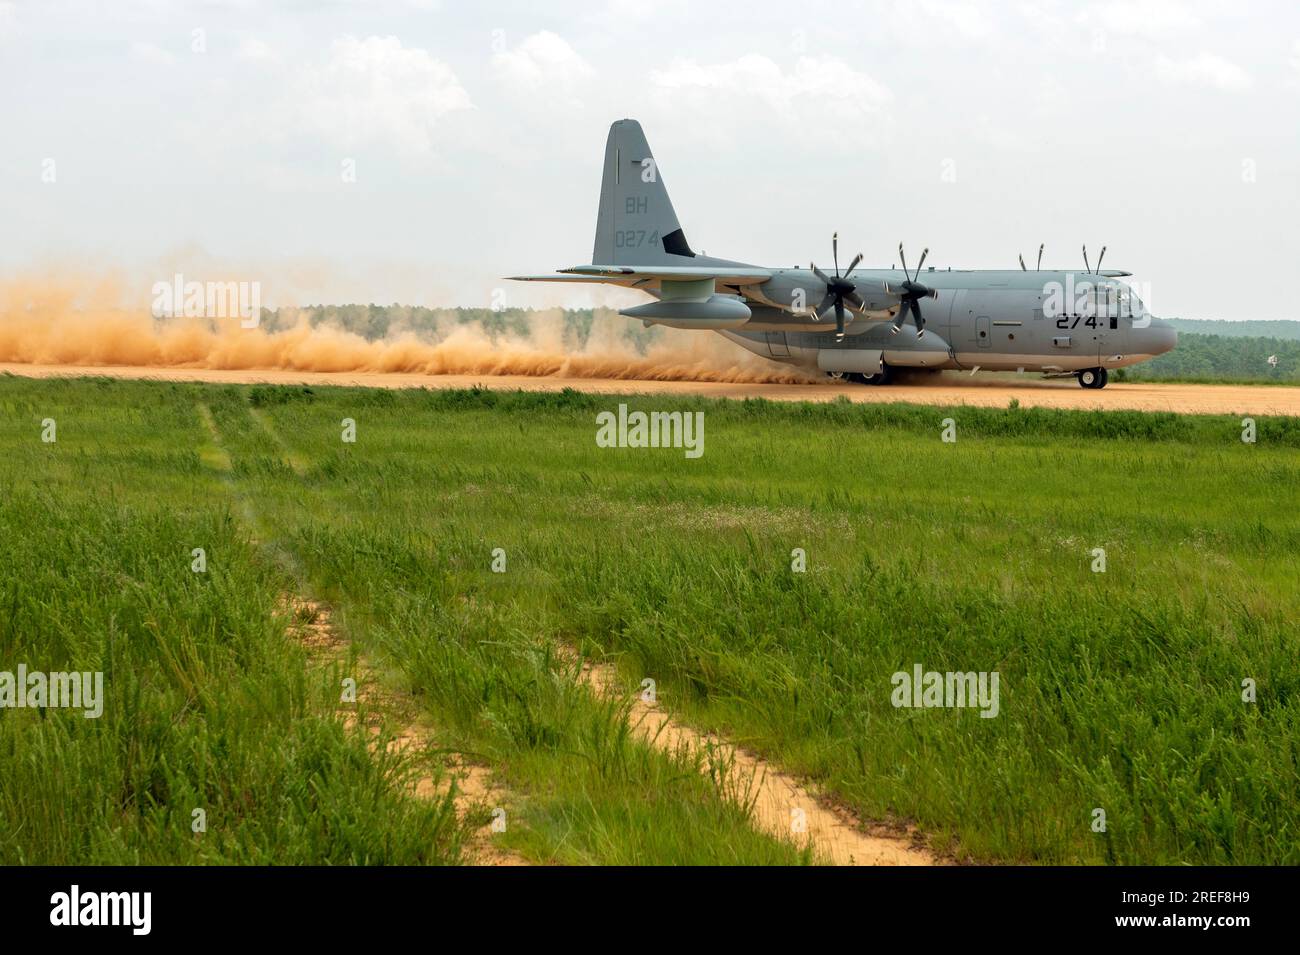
{"x":911,"y":292}
{"x":838,"y":289}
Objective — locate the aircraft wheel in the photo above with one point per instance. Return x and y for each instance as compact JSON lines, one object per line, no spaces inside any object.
{"x":1092,"y":377}
{"x":1105,"y":377}
{"x":881,"y":377}
{"x":839,"y":376}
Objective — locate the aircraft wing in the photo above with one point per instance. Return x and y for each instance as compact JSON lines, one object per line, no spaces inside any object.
{"x":628,"y":275}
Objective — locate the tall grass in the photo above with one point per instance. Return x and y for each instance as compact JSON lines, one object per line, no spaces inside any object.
{"x":209,"y":705}
{"x":1121,"y":691}
{"x":212,"y":706}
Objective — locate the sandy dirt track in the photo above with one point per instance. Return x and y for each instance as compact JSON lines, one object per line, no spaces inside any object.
{"x":948,"y":389}
{"x":779,"y":800}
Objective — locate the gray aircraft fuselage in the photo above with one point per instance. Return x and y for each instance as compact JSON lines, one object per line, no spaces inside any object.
{"x":993,"y":320}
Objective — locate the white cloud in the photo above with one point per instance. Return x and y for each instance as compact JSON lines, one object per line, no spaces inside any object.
{"x":149,"y":53}
{"x":543,"y":66}
{"x":947,"y":24}
{"x":377,"y":92}
{"x":967,"y":20}
{"x":1153,"y":19}
{"x":787,"y":93}
{"x":819,"y":99}
{"x":1206,"y":70}
{"x":251,"y":48}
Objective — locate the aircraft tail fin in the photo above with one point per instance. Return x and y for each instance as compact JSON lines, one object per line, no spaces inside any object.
{"x":636,"y":224}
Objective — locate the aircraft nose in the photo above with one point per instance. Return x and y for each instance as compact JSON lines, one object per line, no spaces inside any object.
{"x":1159,"y":337}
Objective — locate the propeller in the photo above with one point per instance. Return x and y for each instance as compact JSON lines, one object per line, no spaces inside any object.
{"x":911,"y":292}
{"x":838,"y":289}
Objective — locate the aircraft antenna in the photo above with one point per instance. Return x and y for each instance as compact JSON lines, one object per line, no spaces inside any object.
{"x":1086,"y":266}
{"x":1039,"y":267}
{"x":1100,"y":257}
{"x":1022,"y":264}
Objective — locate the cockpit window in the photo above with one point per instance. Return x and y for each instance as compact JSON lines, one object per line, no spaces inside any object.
{"x":1125,"y":300}
{"x":1107,"y":300}
{"x":1138,"y":309}
{"x":1128,"y":303}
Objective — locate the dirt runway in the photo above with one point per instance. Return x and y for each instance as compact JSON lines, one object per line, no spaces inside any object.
{"x":946,"y":389}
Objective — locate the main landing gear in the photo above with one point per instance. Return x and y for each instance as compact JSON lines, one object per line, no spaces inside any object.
{"x":882,"y":377}
{"x":1093,"y":378}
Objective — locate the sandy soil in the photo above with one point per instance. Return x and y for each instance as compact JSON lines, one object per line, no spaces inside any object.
{"x":947,"y":389}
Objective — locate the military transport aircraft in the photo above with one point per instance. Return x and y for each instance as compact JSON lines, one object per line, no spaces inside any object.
{"x":854,"y":324}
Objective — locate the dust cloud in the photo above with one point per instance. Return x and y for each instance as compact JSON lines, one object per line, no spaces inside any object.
{"x":74,"y":320}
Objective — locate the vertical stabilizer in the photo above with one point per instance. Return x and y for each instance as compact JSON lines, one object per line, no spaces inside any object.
{"x":636,"y":224}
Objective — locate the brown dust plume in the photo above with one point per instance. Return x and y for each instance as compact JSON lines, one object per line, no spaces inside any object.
{"x":73,"y":320}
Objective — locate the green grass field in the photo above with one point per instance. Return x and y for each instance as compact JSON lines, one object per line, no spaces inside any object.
{"x":1120,"y":691}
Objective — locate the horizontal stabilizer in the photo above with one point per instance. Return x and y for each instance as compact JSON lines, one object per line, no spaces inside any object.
{"x":638,"y":276}
{"x":723,"y":274}
{"x":627,"y":280}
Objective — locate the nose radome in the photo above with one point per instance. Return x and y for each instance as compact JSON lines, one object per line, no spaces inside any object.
{"x":1158,"y":337}
{"x":1166,"y":337}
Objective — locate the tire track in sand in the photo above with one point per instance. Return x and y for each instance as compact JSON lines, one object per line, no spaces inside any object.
{"x":780,"y":801}
{"x":410,"y":732}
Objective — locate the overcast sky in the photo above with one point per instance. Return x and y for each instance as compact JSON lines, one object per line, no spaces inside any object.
{"x":207,"y":137}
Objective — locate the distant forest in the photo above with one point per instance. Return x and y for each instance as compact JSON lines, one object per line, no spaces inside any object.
{"x":1222,"y":357}
{"x":1207,"y":350}
{"x":373,"y":322}
{"x":1278,"y":328}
